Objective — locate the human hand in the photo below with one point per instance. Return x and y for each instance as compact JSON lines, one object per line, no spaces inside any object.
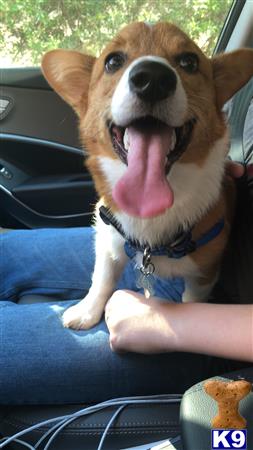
{"x":139,"y":325}
{"x":234,"y":169}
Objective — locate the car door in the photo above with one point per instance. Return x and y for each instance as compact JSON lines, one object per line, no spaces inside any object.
{"x":43,"y":179}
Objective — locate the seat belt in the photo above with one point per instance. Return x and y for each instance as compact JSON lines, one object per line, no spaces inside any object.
{"x":240,"y":106}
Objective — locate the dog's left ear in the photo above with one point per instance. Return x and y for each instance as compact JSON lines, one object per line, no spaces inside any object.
{"x":231,"y":71}
{"x":69,"y":72}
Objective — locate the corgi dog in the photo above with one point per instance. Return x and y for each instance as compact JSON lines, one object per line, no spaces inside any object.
{"x":150,"y":115}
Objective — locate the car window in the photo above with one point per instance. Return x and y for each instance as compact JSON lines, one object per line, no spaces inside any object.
{"x":29,"y":28}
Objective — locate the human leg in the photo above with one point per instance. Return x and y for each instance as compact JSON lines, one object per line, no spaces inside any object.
{"x":57,"y":262}
{"x":41,"y":362}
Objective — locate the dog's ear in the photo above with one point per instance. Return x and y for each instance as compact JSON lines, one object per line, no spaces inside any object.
{"x":69,"y":72}
{"x":231,"y":72}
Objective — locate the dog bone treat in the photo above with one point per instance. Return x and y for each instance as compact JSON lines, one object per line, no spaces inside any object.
{"x":228,"y":395}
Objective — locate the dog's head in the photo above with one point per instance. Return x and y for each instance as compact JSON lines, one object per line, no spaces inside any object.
{"x":149,"y":107}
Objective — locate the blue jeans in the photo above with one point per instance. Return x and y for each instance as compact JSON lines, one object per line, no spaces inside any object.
{"x":41,"y":362}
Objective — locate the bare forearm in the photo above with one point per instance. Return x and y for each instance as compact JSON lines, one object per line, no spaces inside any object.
{"x":151,"y":326}
{"x":220,"y":330}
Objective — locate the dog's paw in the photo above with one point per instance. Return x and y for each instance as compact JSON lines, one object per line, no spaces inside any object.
{"x":79,"y":317}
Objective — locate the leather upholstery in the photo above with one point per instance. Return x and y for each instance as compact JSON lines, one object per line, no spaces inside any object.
{"x":142,"y":424}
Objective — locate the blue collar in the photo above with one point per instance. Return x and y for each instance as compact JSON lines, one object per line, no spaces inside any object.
{"x":181,"y":246}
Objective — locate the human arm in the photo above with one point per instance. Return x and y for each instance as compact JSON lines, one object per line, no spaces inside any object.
{"x":153,"y":326}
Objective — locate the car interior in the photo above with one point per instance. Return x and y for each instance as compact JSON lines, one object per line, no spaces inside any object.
{"x":44,"y":183}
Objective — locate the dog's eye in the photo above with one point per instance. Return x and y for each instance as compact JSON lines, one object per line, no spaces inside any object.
{"x":189,"y":62}
{"x":114,"y":61}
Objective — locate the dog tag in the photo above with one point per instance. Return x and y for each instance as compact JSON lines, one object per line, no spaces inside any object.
{"x":145,"y":282}
{"x":146,"y":279}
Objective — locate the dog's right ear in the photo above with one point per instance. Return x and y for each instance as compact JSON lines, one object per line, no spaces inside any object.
{"x":69,"y":72}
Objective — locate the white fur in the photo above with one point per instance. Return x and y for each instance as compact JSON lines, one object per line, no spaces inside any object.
{"x":195,"y":189}
{"x":126,"y":106}
{"x":109,"y":263}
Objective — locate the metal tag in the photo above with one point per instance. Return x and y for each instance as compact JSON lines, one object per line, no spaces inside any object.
{"x":145,"y":278}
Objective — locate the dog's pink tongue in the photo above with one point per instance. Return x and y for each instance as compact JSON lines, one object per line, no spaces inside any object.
{"x":143,"y":190}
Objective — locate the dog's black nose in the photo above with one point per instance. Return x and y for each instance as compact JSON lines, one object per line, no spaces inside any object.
{"x":152,"y":81}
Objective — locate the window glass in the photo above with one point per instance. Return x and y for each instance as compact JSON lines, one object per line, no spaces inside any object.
{"x":28,"y":28}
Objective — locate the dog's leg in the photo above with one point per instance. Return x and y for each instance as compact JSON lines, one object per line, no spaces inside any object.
{"x":197,"y":289}
{"x":110,"y":261}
